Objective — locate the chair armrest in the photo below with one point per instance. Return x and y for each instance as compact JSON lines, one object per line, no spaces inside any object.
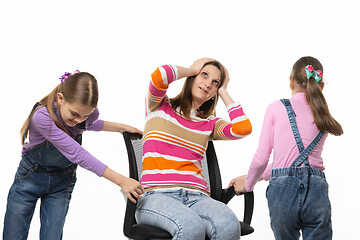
{"x":249,"y":207}
{"x":229,"y":193}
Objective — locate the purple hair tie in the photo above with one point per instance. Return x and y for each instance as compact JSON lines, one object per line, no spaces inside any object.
{"x":66,"y":75}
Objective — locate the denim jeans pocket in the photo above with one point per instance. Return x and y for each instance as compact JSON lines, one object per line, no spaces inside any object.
{"x":23,"y":171}
{"x":148,"y":193}
{"x":72,"y":177}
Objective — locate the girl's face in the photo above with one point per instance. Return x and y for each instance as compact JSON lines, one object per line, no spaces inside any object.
{"x":205,"y":85}
{"x":73,"y":113}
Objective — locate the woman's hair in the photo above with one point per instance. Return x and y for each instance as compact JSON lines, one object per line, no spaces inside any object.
{"x":314,"y":96}
{"x":184,"y":98}
{"x":80,"y":88}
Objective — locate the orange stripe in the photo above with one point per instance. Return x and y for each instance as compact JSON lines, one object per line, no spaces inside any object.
{"x":242,"y":128}
{"x":154,"y":98}
{"x":221,"y":132}
{"x":159,"y":163}
{"x":157,"y":80}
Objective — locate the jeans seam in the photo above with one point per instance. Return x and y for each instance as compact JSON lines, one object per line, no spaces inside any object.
{"x":165,"y":216}
{"x":213,"y":236}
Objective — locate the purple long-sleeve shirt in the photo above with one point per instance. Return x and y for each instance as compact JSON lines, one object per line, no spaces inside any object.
{"x":42,"y":127}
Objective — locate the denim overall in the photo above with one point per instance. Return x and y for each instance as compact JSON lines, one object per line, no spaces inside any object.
{"x":45,"y":173}
{"x":298,"y":196}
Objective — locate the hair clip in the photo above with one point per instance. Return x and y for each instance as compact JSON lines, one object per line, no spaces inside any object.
{"x":311,"y":72}
{"x":66,"y":75}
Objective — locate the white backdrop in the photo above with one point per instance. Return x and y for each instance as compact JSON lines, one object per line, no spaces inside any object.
{"x":122,"y":42}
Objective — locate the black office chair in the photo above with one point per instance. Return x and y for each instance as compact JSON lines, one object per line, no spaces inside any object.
{"x":211,"y":172}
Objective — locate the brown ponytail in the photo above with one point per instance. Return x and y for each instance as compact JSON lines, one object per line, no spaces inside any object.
{"x":314,"y":96}
{"x":79,"y":88}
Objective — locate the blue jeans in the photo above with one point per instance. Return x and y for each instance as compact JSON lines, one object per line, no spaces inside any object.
{"x":296,"y":205}
{"x":32,"y":183}
{"x":187,"y":214}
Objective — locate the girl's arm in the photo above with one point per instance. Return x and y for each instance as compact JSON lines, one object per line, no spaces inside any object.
{"x":261,"y":158}
{"x":129,"y":186}
{"x":119,"y":127}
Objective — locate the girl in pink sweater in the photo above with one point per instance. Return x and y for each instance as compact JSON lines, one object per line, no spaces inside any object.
{"x":298,"y":192}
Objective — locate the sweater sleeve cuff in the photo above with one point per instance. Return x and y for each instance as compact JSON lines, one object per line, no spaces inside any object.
{"x":100,"y":169}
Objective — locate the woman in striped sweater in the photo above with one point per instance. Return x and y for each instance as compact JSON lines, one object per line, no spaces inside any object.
{"x":175,"y":139}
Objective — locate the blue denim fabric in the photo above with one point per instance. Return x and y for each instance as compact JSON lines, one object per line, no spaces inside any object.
{"x":188,"y":214}
{"x":43,"y":173}
{"x":298,"y":196}
{"x":298,"y":200}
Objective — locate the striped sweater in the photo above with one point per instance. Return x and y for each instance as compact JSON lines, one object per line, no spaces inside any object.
{"x":174,"y":146}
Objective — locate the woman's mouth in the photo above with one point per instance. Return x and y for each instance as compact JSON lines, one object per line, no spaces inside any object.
{"x":202,"y":89}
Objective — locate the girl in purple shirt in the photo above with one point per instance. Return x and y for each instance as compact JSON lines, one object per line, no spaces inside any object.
{"x":47,"y":170}
{"x":295,"y":131}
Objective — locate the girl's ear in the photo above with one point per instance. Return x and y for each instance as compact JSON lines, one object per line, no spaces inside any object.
{"x":60,"y":98}
{"x":291,"y":84}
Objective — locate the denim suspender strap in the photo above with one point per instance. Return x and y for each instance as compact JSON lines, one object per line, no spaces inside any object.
{"x":303,"y":153}
{"x":295,"y":130}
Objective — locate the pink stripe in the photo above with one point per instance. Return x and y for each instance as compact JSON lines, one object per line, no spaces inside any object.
{"x":203,"y":125}
{"x":227,"y":132}
{"x":165,"y":148}
{"x":236,"y":113}
{"x":156,"y":92}
{"x":170,"y":73}
{"x":173,"y":178}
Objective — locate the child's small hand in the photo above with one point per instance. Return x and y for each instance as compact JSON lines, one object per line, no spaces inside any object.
{"x":131,"y":186}
{"x":131,"y":129}
{"x":120,"y":127}
{"x":239,"y":185}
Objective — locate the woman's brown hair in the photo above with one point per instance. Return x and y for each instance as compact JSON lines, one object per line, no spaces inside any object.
{"x":78,"y":88}
{"x":184,"y":98}
{"x":314,"y":96}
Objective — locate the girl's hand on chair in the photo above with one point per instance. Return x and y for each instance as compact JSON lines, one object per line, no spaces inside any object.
{"x":131,"y":129}
{"x":131,"y":187}
{"x":239,"y":185}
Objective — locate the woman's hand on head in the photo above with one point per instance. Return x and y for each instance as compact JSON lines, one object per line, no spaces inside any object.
{"x":226,"y":81}
{"x":199,"y":64}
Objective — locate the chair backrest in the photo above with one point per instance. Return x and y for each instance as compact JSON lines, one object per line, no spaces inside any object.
{"x":211,"y":171}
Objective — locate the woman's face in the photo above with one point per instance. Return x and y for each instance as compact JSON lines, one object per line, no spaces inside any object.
{"x":205,"y":85}
{"x":73,"y":113}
